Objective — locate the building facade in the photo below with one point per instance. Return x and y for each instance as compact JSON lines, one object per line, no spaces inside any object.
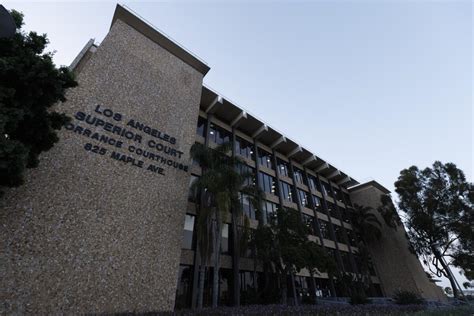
{"x":106,"y":222}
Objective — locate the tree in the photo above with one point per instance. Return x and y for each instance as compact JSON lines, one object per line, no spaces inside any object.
{"x":367,"y":226}
{"x":241,"y":229}
{"x":280,"y":246}
{"x":388,"y":212}
{"x":317,"y":261}
{"x":30,"y":84}
{"x":365,"y":223}
{"x":438,"y":204}
{"x":218,"y":188}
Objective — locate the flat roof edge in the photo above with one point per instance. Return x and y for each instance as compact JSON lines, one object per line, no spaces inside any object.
{"x":130,"y":18}
{"x":371,"y":183}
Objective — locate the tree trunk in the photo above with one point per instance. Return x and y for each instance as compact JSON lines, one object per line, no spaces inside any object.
{"x":197,"y":265}
{"x":235,"y":261}
{"x":202,"y":275}
{"x":313,"y":283}
{"x":217,"y":255}
{"x":450,"y":276}
{"x":255,"y":276}
{"x":284,"y":288}
{"x":331,"y":286}
{"x":293,"y":285}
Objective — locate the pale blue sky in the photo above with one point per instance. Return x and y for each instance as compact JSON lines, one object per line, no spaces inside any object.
{"x":371,"y":86}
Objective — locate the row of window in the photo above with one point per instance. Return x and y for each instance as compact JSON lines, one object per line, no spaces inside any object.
{"x":269,"y":185}
{"x":246,"y":149}
{"x":268,"y":212}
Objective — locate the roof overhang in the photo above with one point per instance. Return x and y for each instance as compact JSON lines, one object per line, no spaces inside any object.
{"x":369,"y":184}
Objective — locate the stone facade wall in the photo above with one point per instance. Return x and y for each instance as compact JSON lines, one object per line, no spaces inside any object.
{"x":397,"y":267}
{"x":89,"y":232}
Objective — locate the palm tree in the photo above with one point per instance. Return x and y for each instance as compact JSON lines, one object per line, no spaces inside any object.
{"x":388,"y":212}
{"x":219,"y":188}
{"x":367,"y":226}
{"x":366,"y":223}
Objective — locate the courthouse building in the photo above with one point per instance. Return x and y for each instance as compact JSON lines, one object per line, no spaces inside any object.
{"x":106,"y":222}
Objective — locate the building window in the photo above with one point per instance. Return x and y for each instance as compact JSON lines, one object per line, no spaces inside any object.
{"x":225,"y":239}
{"x":309,"y":222}
{"x":201,"y":126}
{"x":192,"y":195}
{"x":313,"y":183}
{"x":218,"y":134}
{"x":267,"y":183}
{"x":269,"y":211}
{"x":344,"y":215}
{"x":244,"y":148}
{"x":283,"y":168}
{"x":338,"y":195}
{"x":248,"y":285}
{"x":302,"y":288}
{"x":317,"y":204}
{"x":332,"y":210}
{"x":247,"y":207}
{"x":338,"y":231}
{"x":322,"y":288}
{"x":287,"y":191}
{"x":188,"y":232}
{"x":265,"y":159}
{"x":184,"y":288}
{"x":326,"y":189}
{"x":299,"y":176}
{"x":304,"y":198}
{"x":324,"y":227}
{"x":248,"y":172}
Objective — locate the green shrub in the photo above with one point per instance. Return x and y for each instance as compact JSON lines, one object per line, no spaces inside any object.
{"x":407,"y":298}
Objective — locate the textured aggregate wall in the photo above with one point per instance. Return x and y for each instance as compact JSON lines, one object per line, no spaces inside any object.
{"x":397,"y":267}
{"x":92,"y":231}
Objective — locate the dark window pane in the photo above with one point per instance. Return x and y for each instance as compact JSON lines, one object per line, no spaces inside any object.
{"x":317,"y":204}
{"x":326,"y":189}
{"x":304,"y":197}
{"x":247,"y":207}
{"x":201,"y":126}
{"x":338,"y":231}
{"x":283,"y":168}
{"x":299,"y":175}
{"x":244,"y":148}
{"x":218,"y":134}
{"x":248,"y":172}
{"x":287,"y":191}
{"x":269,"y":211}
{"x":184,"y":288}
{"x":338,"y":195}
{"x":333,"y":211}
{"x":313,"y":183}
{"x":309,"y":221}
{"x":324,"y":227}
{"x":267,"y":183}
{"x":265,"y":158}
